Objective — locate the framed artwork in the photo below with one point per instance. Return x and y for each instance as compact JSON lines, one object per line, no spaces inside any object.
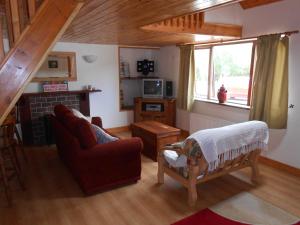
{"x":58,"y":66}
{"x":52,"y":64}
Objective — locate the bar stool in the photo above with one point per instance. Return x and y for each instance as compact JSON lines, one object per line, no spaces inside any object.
{"x":3,"y":177}
{"x":14,"y":115}
{"x":9,"y":163}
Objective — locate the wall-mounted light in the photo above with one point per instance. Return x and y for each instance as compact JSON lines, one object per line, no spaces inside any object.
{"x":89,"y":58}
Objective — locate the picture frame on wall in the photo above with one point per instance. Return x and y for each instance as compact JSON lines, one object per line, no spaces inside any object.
{"x":58,"y":66}
{"x":52,"y":64}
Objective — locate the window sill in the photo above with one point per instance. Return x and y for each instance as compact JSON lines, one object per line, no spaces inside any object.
{"x":233,"y":105}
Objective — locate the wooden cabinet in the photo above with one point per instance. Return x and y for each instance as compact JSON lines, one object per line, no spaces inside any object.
{"x":161,"y":110}
{"x":155,"y":136}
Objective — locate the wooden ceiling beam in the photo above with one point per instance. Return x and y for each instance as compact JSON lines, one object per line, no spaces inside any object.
{"x":217,"y":29}
{"x":247,"y":4}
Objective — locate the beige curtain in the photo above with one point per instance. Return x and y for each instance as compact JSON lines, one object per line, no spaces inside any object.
{"x":270,"y":87}
{"x":186,"y":85}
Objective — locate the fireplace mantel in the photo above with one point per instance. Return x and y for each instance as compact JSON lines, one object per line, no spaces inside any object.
{"x":59,"y":92}
{"x":34,"y":106}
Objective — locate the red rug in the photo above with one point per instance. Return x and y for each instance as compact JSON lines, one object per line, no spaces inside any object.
{"x":208,"y":217}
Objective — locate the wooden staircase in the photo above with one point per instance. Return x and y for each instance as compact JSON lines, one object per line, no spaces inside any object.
{"x":30,"y":44}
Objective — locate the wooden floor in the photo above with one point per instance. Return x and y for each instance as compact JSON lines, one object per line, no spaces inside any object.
{"x":53,"y":197}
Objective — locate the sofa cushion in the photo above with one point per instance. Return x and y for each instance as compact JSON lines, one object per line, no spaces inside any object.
{"x":85,"y":134}
{"x":79,"y":114}
{"x":60,"y":111}
{"x":102,"y":136}
{"x":96,"y":121}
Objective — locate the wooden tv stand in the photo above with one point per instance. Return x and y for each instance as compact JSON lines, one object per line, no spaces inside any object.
{"x":159,"y":109}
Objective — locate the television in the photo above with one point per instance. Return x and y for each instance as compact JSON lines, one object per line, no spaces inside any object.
{"x":153,"y":88}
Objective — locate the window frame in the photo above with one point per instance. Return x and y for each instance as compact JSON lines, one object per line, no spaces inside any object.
{"x":211,"y":76}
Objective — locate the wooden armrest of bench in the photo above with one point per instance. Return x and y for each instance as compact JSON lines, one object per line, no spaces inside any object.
{"x":175,"y":148}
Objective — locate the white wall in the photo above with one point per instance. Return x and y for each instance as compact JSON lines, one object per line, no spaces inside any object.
{"x":169,"y":69}
{"x":277,"y":17}
{"x":102,"y":74}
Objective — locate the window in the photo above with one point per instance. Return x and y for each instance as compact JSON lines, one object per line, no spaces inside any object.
{"x":228,"y":64}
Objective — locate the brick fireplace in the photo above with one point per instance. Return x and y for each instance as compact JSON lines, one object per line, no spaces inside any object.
{"x":34,"y":109}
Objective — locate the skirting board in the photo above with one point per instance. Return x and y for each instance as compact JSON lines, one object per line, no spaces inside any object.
{"x":280,"y":166}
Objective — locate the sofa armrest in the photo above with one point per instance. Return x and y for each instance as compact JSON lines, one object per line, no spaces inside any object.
{"x":97,"y":121}
{"x":113,"y":153}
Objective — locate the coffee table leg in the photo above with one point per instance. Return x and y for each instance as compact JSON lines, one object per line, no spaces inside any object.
{"x":160,"y":172}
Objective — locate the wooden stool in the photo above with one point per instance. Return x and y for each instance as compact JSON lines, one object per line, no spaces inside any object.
{"x":4,"y":179}
{"x":13,"y":117}
{"x":20,"y":144}
{"x":9,"y":163}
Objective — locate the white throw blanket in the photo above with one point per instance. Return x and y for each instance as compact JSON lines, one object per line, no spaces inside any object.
{"x":229,"y":142}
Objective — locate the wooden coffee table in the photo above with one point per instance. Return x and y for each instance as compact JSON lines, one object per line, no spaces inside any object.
{"x":155,"y":135}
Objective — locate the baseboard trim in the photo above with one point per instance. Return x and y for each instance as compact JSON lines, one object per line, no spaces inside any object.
{"x":118,"y":129}
{"x":278,"y":165}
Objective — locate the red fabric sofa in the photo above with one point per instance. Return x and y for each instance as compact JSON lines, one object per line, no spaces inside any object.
{"x":101,"y":166}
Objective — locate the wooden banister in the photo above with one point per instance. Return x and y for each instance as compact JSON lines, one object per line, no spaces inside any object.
{"x":9,"y":23}
{"x":30,"y":50}
{"x":18,"y":14}
{"x":194,"y":24}
{"x":15,"y":19}
{"x":2,"y":54}
{"x":31,"y":8}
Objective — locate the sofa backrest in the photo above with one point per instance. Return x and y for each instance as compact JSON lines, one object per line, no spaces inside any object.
{"x":86,"y":134}
{"x":67,"y":144}
{"x":60,"y":111}
{"x":78,"y":128}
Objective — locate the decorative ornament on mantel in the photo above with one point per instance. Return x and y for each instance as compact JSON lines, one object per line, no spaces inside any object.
{"x":55,"y":86}
{"x":89,"y":58}
{"x":222,"y":94}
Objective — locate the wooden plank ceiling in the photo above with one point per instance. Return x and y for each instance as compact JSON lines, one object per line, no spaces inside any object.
{"x":120,"y":21}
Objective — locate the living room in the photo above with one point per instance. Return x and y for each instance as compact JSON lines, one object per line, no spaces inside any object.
{"x":53,"y":196}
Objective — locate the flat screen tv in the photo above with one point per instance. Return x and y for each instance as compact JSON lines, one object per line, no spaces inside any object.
{"x":153,"y":88}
